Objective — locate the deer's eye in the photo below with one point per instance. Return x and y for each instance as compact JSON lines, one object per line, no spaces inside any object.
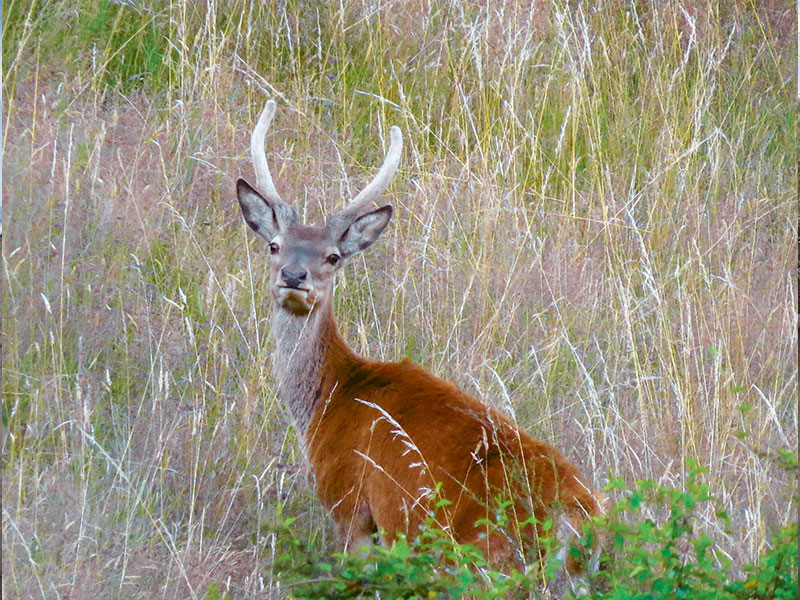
{"x":334,"y":258}
{"x":273,"y":248}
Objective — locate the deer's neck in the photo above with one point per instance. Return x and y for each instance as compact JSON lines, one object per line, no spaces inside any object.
{"x":309,"y":352}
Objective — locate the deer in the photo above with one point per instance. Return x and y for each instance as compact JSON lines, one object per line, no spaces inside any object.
{"x":386,"y":441}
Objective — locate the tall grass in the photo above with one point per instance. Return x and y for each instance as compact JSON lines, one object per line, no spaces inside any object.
{"x":595,"y":231}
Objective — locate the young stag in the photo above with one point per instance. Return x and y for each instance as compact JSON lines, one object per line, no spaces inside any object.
{"x":380,"y":436}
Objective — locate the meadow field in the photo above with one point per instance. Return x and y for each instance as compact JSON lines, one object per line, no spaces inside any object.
{"x":595,"y":231}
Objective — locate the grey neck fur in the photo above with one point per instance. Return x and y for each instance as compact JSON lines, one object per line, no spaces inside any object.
{"x":297,"y":362}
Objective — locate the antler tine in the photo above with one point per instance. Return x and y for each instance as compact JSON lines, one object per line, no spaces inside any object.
{"x":382,"y":179}
{"x":259,"y":156}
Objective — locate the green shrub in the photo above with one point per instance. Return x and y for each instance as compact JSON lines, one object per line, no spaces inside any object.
{"x":432,"y":566}
{"x":653,"y":548}
{"x":657,"y":550}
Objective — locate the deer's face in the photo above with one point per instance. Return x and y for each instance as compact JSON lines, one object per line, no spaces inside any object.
{"x":303,"y":259}
{"x":302,"y":263}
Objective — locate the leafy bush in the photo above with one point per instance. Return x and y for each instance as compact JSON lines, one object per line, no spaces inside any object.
{"x":653,"y":548}
{"x":431,"y":566}
{"x":656,"y":549}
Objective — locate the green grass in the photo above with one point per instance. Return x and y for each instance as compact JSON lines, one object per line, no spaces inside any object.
{"x":595,"y":230}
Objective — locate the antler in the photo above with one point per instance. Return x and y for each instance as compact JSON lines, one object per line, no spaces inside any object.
{"x":374,"y":189}
{"x":283,"y":214}
{"x":259,"y":156}
{"x":359,"y":204}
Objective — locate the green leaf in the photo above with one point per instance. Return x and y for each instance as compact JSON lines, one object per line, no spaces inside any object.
{"x":401,"y":549}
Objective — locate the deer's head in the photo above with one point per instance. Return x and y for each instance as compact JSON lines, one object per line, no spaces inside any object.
{"x":304,"y":258}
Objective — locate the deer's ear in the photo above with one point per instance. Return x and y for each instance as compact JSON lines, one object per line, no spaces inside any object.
{"x":364,"y":230}
{"x":257,"y":211}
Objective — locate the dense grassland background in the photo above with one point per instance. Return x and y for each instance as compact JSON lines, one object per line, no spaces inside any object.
{"x":595,"y":231}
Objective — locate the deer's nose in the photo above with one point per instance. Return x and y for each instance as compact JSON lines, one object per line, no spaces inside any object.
{"x":291,"y":278}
